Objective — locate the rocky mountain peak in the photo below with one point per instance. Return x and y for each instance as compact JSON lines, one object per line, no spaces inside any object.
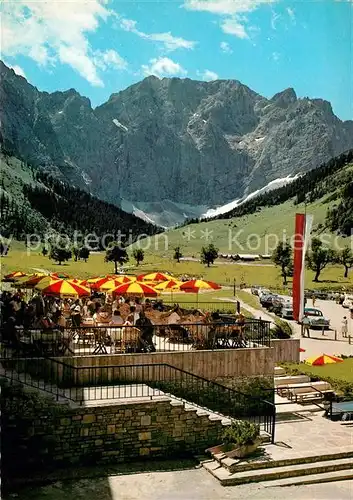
{"x":192,"y":142}
{"x":285,"y":98}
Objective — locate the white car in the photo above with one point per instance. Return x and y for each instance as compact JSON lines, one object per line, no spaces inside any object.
{"x":348,"y":302}
{"x":316,"y":318}
{"x":263,"y":291}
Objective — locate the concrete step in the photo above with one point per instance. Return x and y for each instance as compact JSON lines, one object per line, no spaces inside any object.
{"x":259,"y":462}
{"x":278,"y":370}
{"x":226,"y":478}
{"x":291,"y":380}
{"x":340,"y":475}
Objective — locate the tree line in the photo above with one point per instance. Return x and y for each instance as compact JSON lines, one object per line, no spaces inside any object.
{"x":317,"y":259}
{"x":78,"y":210}
{"x":50,"y":204}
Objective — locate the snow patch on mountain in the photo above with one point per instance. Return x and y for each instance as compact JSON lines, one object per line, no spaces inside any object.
{"x":86,"y":178}
{"x":167,"y":214}
{"x":142,"y":215}
{"x":120,"y":125}
{"x":277,"y":183}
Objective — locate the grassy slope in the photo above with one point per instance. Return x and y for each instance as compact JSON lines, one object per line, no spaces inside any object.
{"x":342,"y":371}
{"x":277,"y":221}
{"x":159,"y":249}
{"x":14,"y":174}
{"x":18,"y":259}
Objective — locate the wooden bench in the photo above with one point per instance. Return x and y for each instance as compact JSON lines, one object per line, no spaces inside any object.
{"x":280,"y":382}
{"x":293,"y":392}
{"x":304,"y":396}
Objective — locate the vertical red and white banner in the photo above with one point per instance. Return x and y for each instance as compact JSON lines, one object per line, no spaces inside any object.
{"x":303,"y":225}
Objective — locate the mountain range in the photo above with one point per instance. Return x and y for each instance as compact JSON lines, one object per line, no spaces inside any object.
{"x":170,"y":142}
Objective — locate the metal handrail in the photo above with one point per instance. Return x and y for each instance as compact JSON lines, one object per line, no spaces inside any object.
{"x":179,"y":383}
{"x":108,"y":325}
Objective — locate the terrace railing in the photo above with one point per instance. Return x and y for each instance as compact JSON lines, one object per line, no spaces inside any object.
{"x":221,"y":306}
{"x":83,"y":341}
{"x":87,"y":384}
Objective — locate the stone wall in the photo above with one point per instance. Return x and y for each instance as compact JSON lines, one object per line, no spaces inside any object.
{"x":286,"y":350}
{"x":40,"y":433}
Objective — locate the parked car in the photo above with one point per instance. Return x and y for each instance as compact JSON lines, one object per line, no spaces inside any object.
{"x":263,"y":291}
{"x":316,"y":318}
{"x":317,"y":293}
{"x":333,"y":296}
{"x":348,"y":301}
{"x":287,"y":311}
{"x":267,"y":300}
{"x":283,"y":307}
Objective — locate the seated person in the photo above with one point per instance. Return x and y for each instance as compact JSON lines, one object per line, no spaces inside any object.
{"x":146,"y":327}
{"x":116,"y":318}
{"x":101,"y":316}
{"x":133,"y":316}
{"x":59,"y":320}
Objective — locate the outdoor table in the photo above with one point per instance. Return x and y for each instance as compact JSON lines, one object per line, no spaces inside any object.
{"x":52,"y":340}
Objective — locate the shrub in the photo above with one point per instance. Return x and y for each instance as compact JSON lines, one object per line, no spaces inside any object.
{"x":281,"y":330}
{"x":241,"y":433}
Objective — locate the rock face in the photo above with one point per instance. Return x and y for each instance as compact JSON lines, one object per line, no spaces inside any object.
{"x":187,"y":141}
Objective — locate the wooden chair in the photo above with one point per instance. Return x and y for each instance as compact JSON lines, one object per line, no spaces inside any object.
{"x":116,"y":334}
{"x":130,"y":339}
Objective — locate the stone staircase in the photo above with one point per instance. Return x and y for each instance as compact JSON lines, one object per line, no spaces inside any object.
{"x":287,"y":472}
{"x":275,"y":465}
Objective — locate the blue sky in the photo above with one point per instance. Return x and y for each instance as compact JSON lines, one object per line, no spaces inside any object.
{"x":102,"y":46}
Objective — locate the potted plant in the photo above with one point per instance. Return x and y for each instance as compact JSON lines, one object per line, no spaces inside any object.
{"x":241,"y":439}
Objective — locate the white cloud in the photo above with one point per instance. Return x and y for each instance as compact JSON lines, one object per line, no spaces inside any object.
{"x":233,"y":12}
{"x":109,"y":58}
{"x":208,"y":75}
{"x":291,"y":14}
{"x":232,"y":26}
{"x":276,"y":56}
{"x":169,"y":41}
{"x":40,"y":54}
{"x":163,"y":66}
{"x":274,"y":18}
{"x":54,"y":31}
{"x":225,"y":7}
{"x":79,"y":61}
{"x":17,"y":69}
{"x":226,"y":48}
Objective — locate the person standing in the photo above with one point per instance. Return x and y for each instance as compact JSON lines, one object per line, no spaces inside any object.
{"x":76,"y":316}
{"x":306,"y":325}
{"x":345,"y":327}
{"x":314,"y":300}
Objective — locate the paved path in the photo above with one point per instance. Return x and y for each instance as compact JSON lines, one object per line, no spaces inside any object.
{"x":318,"y":343}
{"x":163,"y":484}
